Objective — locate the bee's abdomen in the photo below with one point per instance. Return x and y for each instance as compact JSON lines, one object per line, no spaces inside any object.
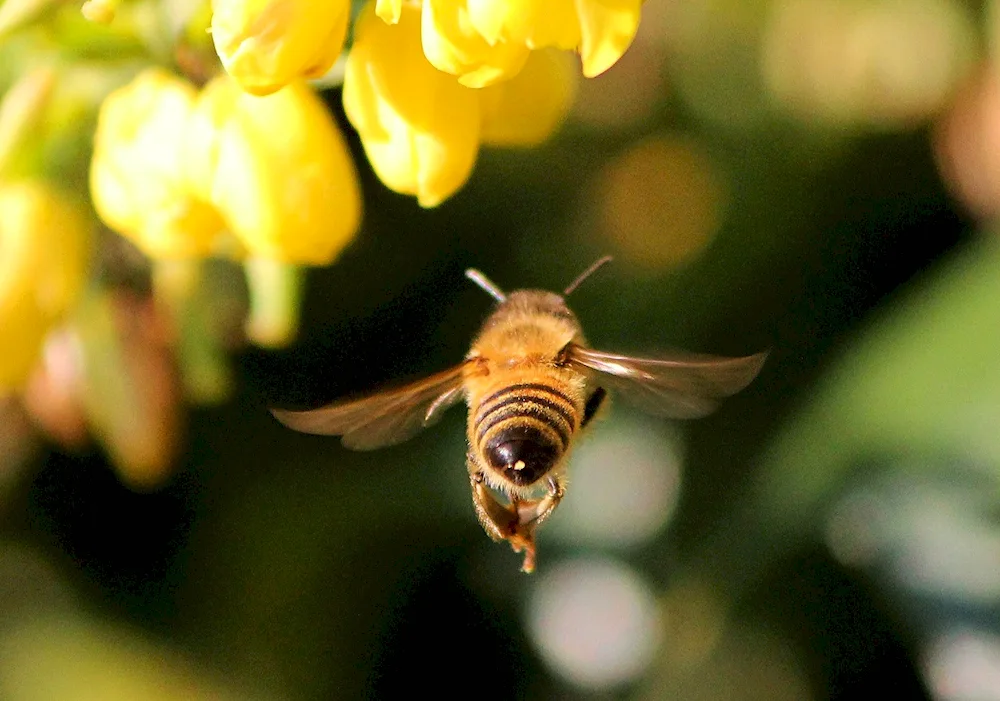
{"x":523,"y":429}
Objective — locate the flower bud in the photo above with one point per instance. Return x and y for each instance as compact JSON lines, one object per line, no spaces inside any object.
{"x":137,"y":178}
{"x":419,"y":126}
{"x":277,"y":170}
{"x":44,"y":254}
{"x":99,"y":11}
{"x":389,"y":10}
{"x":452,"y":45}
{"x":266,"y":44}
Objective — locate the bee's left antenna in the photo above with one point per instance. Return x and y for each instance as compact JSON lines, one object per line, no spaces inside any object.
{"x":486,"y":284}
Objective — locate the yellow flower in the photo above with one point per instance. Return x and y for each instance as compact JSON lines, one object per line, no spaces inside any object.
{"x":44,"y":253}
{"x":453,"y":45}
{"x":526,"y":110}
{"x":601,"y":30}
{"x":266,"y":44}
{"x":137,"y":178}
{"x":189,"y":175}
{"x":277,"y":169}
{"x":419,"y":127}
{"x":389,"y":10}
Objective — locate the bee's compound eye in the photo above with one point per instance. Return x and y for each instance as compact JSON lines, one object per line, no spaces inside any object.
{"x":523,"y":454}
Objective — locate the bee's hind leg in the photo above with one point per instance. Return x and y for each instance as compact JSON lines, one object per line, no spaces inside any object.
{"x":498,"y":520}
{"x":515,"y":522}
{"x":530,"y":515}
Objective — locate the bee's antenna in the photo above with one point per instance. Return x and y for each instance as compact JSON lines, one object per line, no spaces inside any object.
{"x":486,"y":284}
{"x":585,"y":274}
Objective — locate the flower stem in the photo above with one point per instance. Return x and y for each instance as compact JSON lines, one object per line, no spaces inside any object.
{"x":275,"y":297}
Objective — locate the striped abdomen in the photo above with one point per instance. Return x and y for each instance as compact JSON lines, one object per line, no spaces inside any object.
{"x":523,"y":429}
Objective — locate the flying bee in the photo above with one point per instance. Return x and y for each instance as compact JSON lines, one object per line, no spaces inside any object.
{"x":531,"y":383}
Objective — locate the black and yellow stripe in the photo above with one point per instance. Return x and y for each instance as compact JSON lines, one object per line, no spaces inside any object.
{"x":523,"y":429}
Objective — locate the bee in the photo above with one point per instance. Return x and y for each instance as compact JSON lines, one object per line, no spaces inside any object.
{"x":532,"y":384}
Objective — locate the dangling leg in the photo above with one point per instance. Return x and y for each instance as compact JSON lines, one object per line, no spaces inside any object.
{"x":514,"y":522}
{"x":498,"y":520}
{"x":530,"y":515}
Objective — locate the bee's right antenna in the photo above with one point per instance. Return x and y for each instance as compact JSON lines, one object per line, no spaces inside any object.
{"x":585,"y":274}
{"x":486,"y":284}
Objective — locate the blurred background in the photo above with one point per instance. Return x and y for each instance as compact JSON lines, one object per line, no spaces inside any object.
{"x":813,"y":177}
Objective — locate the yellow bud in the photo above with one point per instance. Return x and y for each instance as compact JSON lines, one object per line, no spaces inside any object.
{"x":44,"y":253}
{"x":266,"y":44}
{"x":137,"y":172}
{"x":99,"y":11}
{"x":419,"y":126}
{"x":454,"y":46}
{"x":277,"y":169}
{"x":527,"y":109}
{"x":389,"y":10}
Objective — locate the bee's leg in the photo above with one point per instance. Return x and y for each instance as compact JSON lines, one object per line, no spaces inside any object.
{"x":531,"y":514}
{"x":498,"y":521}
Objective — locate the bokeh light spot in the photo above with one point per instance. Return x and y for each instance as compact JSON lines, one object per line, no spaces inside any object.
{"x":967,"y":144}
{"x":964,"y":665}
{"x":879,"y":63}
{"x":595,"y":622}
{"x":624,"y":482}
{"x":660,"y":201}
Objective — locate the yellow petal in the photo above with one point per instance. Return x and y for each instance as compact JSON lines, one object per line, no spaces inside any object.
{"x":389,"y":10}
{"x":607,"y":28}
{"x":534,"y":23}
{"x":266,"y":44}
{"x":526,"y":110}
{"x":278,"y":171}
{"x":136,"y":176}
{"x":419,"y":127}
{"x":44,"y":256}
{"x":453,"y":45}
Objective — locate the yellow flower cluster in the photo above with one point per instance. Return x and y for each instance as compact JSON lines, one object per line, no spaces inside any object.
{"x":44,"y":255}
{"x":245,"y":164}
{"x":188,"y":173}
{"x":252,"y":167}
{"x":427,"y":82}
{"x":421,"y":128}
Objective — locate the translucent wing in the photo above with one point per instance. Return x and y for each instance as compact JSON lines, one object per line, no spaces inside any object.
{"x":381,"y":419}
{"x":677,"y":386}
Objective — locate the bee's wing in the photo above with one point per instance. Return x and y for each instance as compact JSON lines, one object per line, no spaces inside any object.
{"x":384,"y":418}
{"x":678,"y":386}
